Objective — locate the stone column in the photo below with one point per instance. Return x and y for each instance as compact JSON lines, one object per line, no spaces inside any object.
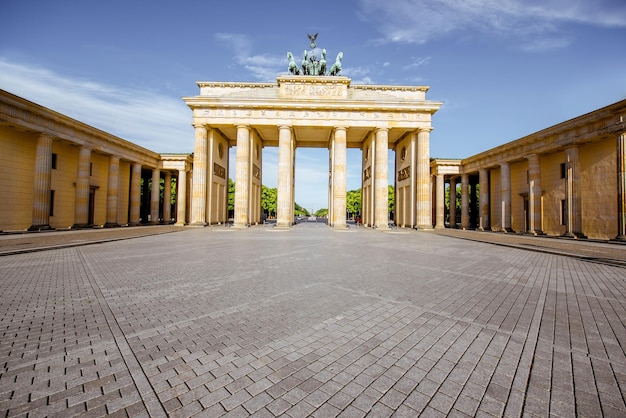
{"x":293,"y":179}
{"x":81,"y":202}
{"x":440,"y":201}
{"x":42,"y":184}
{"x":155,"y":195}
{"x":452,"y":211}
{"x":112,"y":190}
{"x":483,"y":179}
{"x":284,"y":204}
{"x":621,"y":187}
{"x":574,"y":222}
{"x":181,"y":197}
{"x":534,"y":195}
{"x":242,"y":177}
{"x":339,"y":178}
{"x":381,"y":180}
{"x":167,"y":198}
{"x":198,"y":191}
{"x":135,"y":194}
{"x":505,"y":196}
{"x":465,"y":218}
{"x":331,"y":164}
{"x":423,"y":194}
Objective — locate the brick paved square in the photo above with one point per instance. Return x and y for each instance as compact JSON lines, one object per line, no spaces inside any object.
{"x":205,"y":322}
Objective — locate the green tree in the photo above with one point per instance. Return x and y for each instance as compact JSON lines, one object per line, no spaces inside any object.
{"x":353,"y":202}
{"x":300,"y":211}
{"x":391,"y":200}
{"x":231,"y":195}
{"x":269,"y":200}
{"x":320,"y":213}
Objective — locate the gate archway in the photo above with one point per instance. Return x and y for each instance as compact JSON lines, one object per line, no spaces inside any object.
{"x":311,"y":111}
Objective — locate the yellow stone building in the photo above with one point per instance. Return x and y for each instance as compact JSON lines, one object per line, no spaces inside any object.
{"x":57,"y":173}
{"x":566,"y":180}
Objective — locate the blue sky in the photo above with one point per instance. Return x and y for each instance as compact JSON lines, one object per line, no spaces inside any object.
{"x":503,"y":69}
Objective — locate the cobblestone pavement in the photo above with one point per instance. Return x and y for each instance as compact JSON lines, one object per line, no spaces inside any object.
{"x":310,"y":322}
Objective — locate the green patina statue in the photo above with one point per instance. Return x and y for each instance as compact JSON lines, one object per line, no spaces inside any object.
{"x":314,"y":61}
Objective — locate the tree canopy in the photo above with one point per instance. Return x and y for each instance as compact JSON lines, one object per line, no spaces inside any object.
{"x":269,"y":200}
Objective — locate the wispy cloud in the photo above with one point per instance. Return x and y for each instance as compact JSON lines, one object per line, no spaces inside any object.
{"x":417,"y":62}
{"x":532,"y":24}
{"x":262,"y":67}
{"x":145,"y":117}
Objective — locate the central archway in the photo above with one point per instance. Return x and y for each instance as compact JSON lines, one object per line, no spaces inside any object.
{"x":311,"y":111}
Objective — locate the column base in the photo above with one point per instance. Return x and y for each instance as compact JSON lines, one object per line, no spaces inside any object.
{"x":536,"y":232}
{"x":82,"y":226}
{"x":424,"y":227}
{"x":507,"y":230}
{"x":240,"y":226}
{"x":111,"y":225}
{"x":282,"y":225}
{"x":180,"y":224}
{"x":440,"y":227}
{"x":198,"y":224}
{"x":40,"y":228}
{"x":134,"y":224}
{"x":620,"y":238}
{"x":340,"y":227}
{"x":575,"y":235}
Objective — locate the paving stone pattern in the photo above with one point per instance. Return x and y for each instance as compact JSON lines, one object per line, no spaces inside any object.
{"x":211,"y":322}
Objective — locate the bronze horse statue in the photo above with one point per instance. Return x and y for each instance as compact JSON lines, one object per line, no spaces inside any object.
{"x":336,"y":67}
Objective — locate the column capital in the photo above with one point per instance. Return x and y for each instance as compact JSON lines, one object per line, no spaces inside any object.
{"x":340,"y":128}
{"x":200,"y":125}
{"x":381,"y":129}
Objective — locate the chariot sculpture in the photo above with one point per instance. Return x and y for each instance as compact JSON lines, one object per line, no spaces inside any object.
{"x":314,"y":61}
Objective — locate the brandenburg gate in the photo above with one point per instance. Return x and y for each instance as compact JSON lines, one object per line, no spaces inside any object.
{"x":311,"y":107}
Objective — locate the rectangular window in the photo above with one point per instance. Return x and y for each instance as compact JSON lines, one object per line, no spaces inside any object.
{"x":54,"y":161}
{"x":563,"y":170}
{"x":51,"y":202}
{"x":563,"y":212}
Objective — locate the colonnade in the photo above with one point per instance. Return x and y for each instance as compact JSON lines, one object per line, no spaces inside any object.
{"x":85,"y":192}
{"x":477,"y":209}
